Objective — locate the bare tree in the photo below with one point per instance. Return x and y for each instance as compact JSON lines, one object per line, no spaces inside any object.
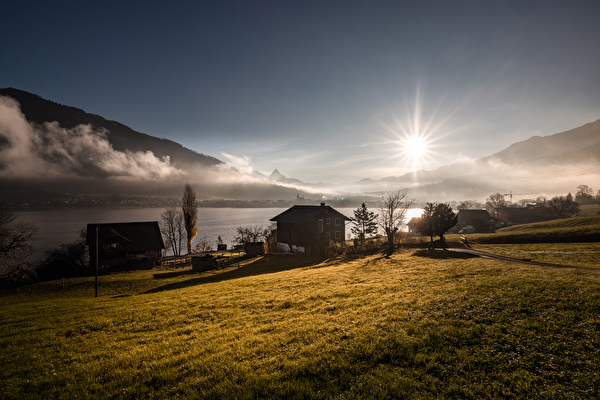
{"x":494,"y":202}
{"x":584,"y":195}
{"x":584,"y":191}
{"x":202,"y":246}
{"x":15,"y":241}
{"x":190,"y":215}
{"x":466,"y":205}
{"x":173,"y":229}
{"x":391,"y":214}
{"x":250,"y":234}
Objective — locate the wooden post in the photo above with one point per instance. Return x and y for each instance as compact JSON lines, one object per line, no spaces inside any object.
{"x":96,"y":261}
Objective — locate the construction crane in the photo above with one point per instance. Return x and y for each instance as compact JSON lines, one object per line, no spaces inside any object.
{"x":516,"y":194}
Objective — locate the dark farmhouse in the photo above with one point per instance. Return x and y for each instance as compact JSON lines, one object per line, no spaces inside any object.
{"x":470,"y":221}
{"x":310,"y":227}
{"x":132,"y":244}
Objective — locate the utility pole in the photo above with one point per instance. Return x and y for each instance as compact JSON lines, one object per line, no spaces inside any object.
{"x":96,"y":262}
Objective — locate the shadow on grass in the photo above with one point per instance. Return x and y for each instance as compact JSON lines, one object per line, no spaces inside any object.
{"x":174,"y":274}
{"x":442,"y":254}
{"x":258,"y":266}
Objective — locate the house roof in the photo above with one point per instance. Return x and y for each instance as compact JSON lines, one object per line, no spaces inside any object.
{"x":140,"y":235}
{"x":414,"y":221}
{"x":298,"y":214}
{"x":112,"y":234}
{"x":468,"y":215}
{"x":474,"y":213}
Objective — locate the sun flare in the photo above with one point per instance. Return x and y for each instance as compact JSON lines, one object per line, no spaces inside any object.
{"x":415,"y":147}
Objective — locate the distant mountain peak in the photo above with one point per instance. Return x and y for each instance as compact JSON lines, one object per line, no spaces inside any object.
{"x":276,"y":176}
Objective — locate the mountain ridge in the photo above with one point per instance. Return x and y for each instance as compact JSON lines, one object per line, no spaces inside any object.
{"x":123,"y":138}
{"x":120,"y":159}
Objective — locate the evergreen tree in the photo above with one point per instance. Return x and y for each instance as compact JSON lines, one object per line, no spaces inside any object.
{"x":365,"y":223}
{"x":426,"y":225}
{"x":445,"y":219}
{"x":436,"y":220}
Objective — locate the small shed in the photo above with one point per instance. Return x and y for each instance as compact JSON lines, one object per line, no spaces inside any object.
{"x":255,"y":248}
{"x":204,"y":262}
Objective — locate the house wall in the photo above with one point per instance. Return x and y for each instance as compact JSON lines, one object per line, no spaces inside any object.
{"x":312,"y":231}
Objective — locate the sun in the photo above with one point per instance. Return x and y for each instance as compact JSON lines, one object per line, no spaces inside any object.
{"x":415,"y":147}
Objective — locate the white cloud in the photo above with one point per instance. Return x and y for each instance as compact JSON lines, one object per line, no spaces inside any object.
{"x":48,"y":150}
{"x":241,"y":163}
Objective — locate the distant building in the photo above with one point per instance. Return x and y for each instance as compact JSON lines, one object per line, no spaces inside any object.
{"x":134,"y":244}
{"x":310,"y":227}
{"x":412,"y":226}
{"x":475,"y":221}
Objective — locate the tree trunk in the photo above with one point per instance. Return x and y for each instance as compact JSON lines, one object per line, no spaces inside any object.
{"x":390,"y":237}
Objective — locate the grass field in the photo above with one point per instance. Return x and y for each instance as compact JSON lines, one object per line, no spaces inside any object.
{"x":419,"y":324}
{"x":568,"y":230}
{"x":590,"y":209}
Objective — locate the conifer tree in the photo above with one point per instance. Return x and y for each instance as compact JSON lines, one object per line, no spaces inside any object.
{"x":436,"y":219}
{"x":365,"y":223}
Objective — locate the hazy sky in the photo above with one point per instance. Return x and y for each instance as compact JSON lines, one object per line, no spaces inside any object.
{"x":324,"y":91}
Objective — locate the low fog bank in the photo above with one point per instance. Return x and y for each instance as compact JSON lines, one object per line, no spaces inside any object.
{"x":480,"y":179}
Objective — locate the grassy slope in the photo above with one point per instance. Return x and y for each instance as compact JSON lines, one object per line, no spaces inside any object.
{"x":578,"y":229}
{"x":415,"y":325}
{"x":571,"y":241}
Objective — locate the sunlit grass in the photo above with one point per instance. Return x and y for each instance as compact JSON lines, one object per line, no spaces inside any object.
{"x":418,"y":324}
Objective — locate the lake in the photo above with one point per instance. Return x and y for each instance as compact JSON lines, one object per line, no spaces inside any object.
{"x":62,"y":225}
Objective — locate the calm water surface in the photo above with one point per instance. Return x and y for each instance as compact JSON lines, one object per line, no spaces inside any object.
{"x":56,"y":226}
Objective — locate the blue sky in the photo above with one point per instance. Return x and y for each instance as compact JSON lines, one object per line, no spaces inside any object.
{"x":321,"y":90}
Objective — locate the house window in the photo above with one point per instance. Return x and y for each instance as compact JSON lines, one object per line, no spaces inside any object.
{"x":338,"y":235}
{"x":338,"y":221}
{"x":320,"y":226}
{"x":328,"y":235}
{"x":328,"y":221}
